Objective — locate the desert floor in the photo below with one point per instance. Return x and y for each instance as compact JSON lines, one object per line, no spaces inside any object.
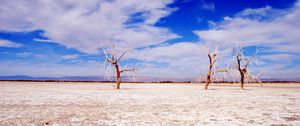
{"x":37,"y":103}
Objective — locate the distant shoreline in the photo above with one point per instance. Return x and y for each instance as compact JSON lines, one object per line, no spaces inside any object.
{"x":162,"y":82}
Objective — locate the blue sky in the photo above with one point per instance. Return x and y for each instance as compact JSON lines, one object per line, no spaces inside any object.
{"x":165,"y":38}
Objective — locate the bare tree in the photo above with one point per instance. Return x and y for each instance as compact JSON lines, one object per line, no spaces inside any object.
{"x":242,"y":66}
{"x":114,"y":61}
{"x":213,"y":57}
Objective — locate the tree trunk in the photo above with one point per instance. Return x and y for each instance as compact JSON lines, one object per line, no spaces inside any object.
{"x":208,"y":79}
{"x":241,"y":71}
{"x":118,"y":76}
{"x":207,"y":82}
{"x":242,"y":80}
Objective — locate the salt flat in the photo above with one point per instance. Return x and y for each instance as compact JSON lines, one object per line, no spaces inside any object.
{"x":45,"y":103}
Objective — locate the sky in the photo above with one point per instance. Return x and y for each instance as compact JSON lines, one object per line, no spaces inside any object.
{"x":165,"y":38}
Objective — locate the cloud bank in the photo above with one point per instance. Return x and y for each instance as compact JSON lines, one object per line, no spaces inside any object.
{"x":89,"y":25}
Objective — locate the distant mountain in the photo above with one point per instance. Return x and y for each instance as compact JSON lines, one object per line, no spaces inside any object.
{"x":67,"y":78}
{"x":282,"y":79}
{"x":95,"y":78}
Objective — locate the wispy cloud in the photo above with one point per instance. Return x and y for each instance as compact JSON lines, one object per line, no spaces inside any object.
{"x":210,"y":6}
{"x":6,"y":43}
{"x":43,"y":40}
{"x":70,"y":57}
{"x":39,"y":56}
{"x":288,"y":58}
{"x":49,"y":69}
{"x":24,"y":54}
{"x":180,"y":60}
{"x":265,"y":13}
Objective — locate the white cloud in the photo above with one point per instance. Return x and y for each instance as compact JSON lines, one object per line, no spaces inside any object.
{"x":40,"y":56}
{"x":279,"y":34}
{"x":280,"y":71}
{"x":274,"y":29}
{"x":49,"y":69}
{"x":6,"y":43}
{"x":288,"y":58}
{"x":24,"y":54}
{"x":179,"y":60}
{"x":70,"y":57}
{"x":88,"y":25}
{"x":43,"y":40}
{"x":169,"y":52}
{"x":265,"y":13}
{"x":260,"y":11}
{"x":282,"y":32}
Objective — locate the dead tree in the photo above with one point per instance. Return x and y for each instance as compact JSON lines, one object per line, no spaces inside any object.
{"x":211,"y":69}
{"x":114,"y":62}
{"x":212,"y":59}
{"x":242,"y":66}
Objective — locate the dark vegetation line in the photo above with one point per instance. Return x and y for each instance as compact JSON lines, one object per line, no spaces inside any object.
{"x":228,"y":82}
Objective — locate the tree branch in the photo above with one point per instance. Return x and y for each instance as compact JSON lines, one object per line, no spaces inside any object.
{"x":113,"y":52}
{"x":249,"y":60}
{"x":122,"y":55}
{"x":222,"y":70}
{"x":127,"y":70}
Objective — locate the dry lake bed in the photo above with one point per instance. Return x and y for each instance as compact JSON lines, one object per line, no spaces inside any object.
{"x":53,"y":103}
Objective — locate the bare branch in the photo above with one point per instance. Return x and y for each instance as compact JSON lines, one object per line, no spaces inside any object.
{"x":122,"y":55}
{"x":113,"y":51}
{"x":222,"y":70}
{"x":107,"y":58}
{"x":128,"y":70}
{"x":249,"y":60}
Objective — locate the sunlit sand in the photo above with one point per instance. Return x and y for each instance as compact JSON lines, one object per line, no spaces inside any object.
{"x":45,"y":103}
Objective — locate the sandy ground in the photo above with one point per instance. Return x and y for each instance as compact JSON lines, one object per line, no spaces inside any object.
{"x":35,"y":103}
